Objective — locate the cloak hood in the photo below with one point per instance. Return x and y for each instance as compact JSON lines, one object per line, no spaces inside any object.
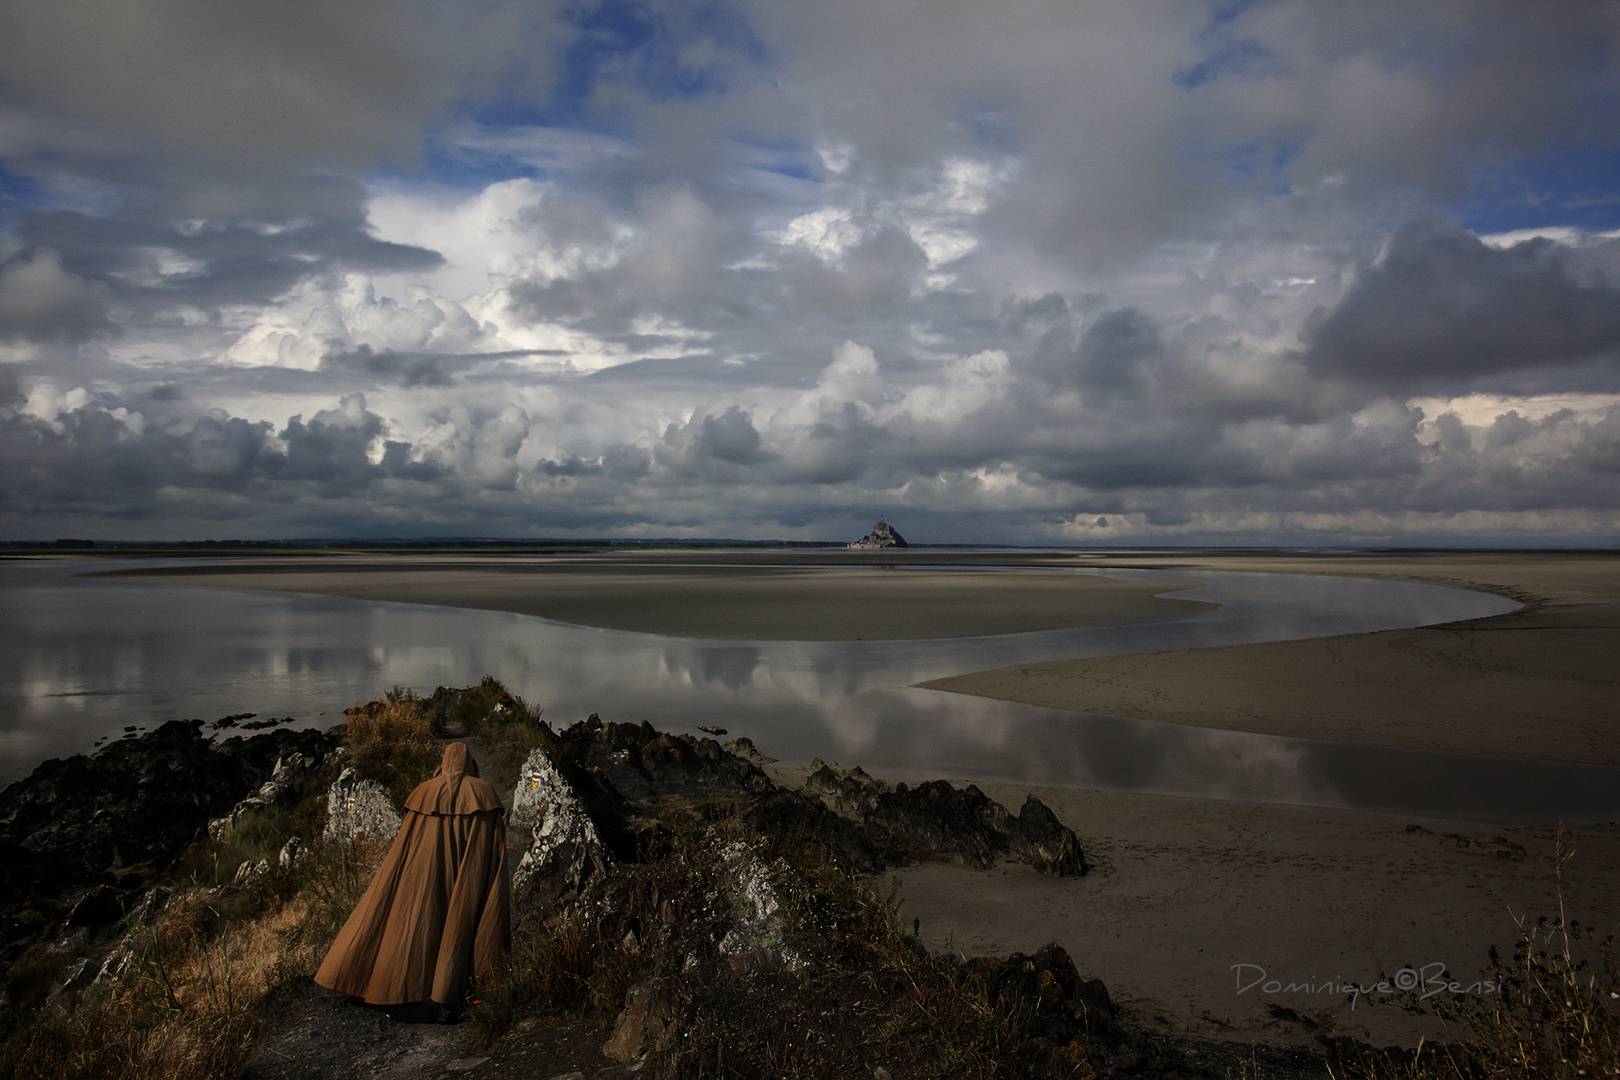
{"x":455,"y":787}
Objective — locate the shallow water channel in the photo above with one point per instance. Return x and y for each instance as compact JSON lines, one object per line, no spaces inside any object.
{"x":82,"y":658}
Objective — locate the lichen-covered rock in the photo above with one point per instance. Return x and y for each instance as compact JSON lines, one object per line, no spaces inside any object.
{"x":290,"y":769}
{"x":757,"y":937}
{"x":359,"y":809}
{"x":567,"y":852}
{"x":249,"y":872}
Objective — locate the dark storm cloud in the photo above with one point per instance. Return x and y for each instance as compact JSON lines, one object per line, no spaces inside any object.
{"x":40,"y":301}
{"x":730,"y":437}
{"x":10,"y":386}
{"x":92,"y":460}
{"x":239,"y":263}
{"x":304,"y":81}
{"x":1441,"y":309}
{"x":412,"y":369}
{"x":1112,"y":356}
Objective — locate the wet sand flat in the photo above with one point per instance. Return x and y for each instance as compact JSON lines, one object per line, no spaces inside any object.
{"x":1319,"y":899}
{"x":1184,"y":889}
{"x":1537,"y":683}
{"x":738,"y":602}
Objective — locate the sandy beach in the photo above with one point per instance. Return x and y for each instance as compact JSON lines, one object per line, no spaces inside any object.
{"x":1184,"y":889}
{"x":728,"y":601}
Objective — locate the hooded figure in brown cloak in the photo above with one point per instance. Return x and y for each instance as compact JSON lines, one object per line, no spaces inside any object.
{"x":438,"y":912}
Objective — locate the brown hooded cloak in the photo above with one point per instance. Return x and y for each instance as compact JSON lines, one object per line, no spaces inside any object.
{"x":438,"y":910}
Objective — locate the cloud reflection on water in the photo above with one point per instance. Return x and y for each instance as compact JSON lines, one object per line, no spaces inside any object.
{"x":83,"y":657}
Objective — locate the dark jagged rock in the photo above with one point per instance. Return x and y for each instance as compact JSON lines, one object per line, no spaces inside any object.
{"x":882,"y":535}
{"x":1046,"y":842}
{"x":1060,"y":1004}
{"x":99,"y":906}
{"x":850,"y":792}
{"x":792,"y":815}
{"x":744,"y":748}
{"x":937,"y":821}
{"x":623,"y":772}
{"x":643,"y":763}
{"x":137,"y":803}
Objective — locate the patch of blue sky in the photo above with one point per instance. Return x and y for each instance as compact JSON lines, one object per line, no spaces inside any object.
{"x":26,"y":193}
{"x":464,"y":168}
{"x":784,"y":157}
{"x":1227,"y":54}
{"x":662,"y":51}
{"x":19,"y":194}
{"x":1261,"y":165}
{"x":1577,"y":186}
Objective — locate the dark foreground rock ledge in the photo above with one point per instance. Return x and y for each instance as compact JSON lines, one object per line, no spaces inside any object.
{"x":119,"y":818}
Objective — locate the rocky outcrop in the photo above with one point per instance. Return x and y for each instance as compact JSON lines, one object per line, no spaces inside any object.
{"x":622,"y":773}
{"x":757,"y":939}
{"x":937,"y":821}
{"x":805,"y":819}
{"x":359,"y":809}
{"x":134,"y":806}
{"x":566,"y":852}
{"x":1061,"y":1005}
{"x":646,"y":1025}
{"x":882,"y":535}
{"x":286,"y":779}
{"x":744,"y":748}
{"x":850,"y":792}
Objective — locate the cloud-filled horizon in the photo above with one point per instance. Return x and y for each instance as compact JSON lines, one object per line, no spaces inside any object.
{"x":1254,"y":273}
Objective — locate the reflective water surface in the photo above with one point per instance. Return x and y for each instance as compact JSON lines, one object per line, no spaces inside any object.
{"x":82,"y":658}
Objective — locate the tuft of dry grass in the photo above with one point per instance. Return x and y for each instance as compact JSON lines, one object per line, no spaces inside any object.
{"x":194,"y":980}
{"x":1551,"y":1010}
{"x":393,"y":741}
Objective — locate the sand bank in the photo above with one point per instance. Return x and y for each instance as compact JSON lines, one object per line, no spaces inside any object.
{"x":1538,"y":683}
{"x":737,"y":602}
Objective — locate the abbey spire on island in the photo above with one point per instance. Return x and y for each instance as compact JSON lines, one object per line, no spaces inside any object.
{"x":881,"y":536}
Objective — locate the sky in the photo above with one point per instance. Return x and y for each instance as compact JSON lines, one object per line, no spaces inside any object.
{"x":1031,"y":272}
